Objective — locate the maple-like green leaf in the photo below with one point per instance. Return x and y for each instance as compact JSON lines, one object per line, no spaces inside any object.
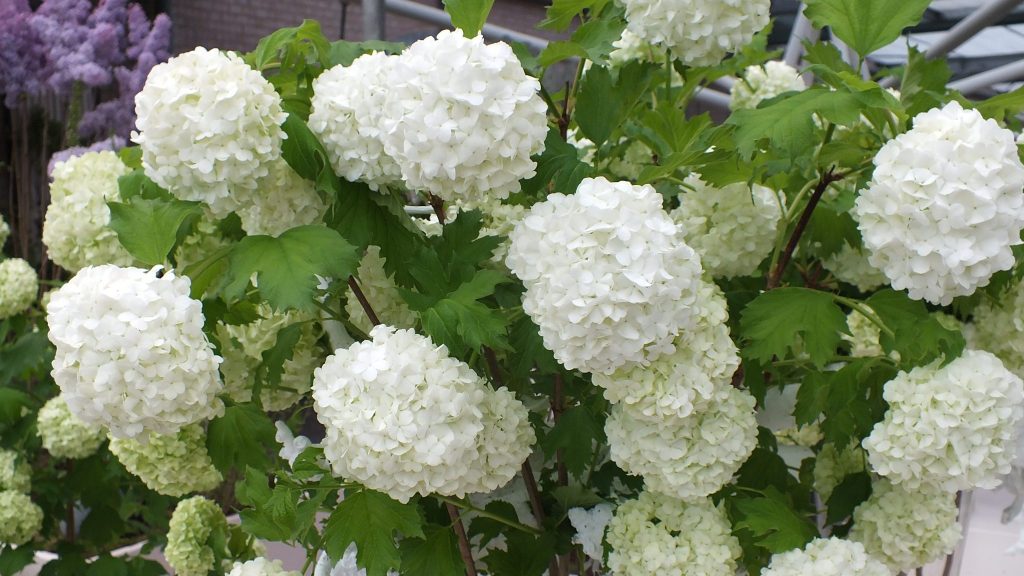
{"x":286,"y":267}
{"x":372,"y":521}
{"x":792,"y":320}
{"x":849,"y":399}
{"x":866,"y":25}
{"x":852,"y":490}
{"x":917,"y":335}
{"x":241,"y":437}
{"x":575,"y":433}
{"x":468,"y":15}
{"x":604,"y":101}
{"x":559,"y":168}
{"x":593,"y":40}
{"x":561,"y":13}
{"x":458,"y":319}
{"x":525,"y":555}
{"x":150,"y":228}
{"x":436,"y":555}
{"x":774,"y":523}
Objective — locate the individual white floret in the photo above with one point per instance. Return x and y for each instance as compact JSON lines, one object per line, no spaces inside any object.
{"x":732,"y":228}
{"x":851,"y":265}
{"x":381,"y":292}
{"x":462,"y":119}
{"x":609,"y":280}
{"x":832,"y":466}
{"x":291,"y":445}
{"x":945,"y":205}
{"x":906,"y":529}
{"x":19,"y":285}
{"x":20,"y":518}
{"x":283,"y":200}
{"x":687,"y":458}
{"x":698,"y":32}
{"x":15,"y":472}
{"x":188,"y":550}
{"x":174,"y":465}
{"x":346,"y":113}
{"x":827,"y":557}
{"x":688,"y":379}
{"x":76,"y":230}
{"x":260,"y":567}
{"x":590,"y":526}
{"x":761,"y":82}
{"x":952,"y":427}
{"x":209,"y":127}
{"x":63,"y":434}
{"x":656,"y":534}
{"x":131,"y":354}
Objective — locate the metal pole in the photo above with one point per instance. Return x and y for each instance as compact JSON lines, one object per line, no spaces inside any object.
{"x":712,"y":98}
{"x":802,"y":30}
{"x":965,"y":29}
{"x":373,"y":19}
{"x":1005,"y":73}
{"x":439,"y":17}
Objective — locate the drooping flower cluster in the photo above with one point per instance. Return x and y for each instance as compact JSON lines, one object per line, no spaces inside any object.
{"x":436,"y":426}
{"x":832,"y":465}
{"x":209,"y":127}
{"x":243,"y":345}
{"x":283,"y":200}
{"x":655,"y":534}
{"x":999,"y":329}
{"x":590,"y":526}
{"x":174,"y":465}
{"x":945,"y":205}
{"x":951,"y":427}
{"x":609,"y":281}
{"x":906,"y":528}
{"x":687,"y":458}
{"x":20,"y":518}
{"x":732,"y":228}
{"x":698,"y":32}
{"x":827,"y":557}
{"x":851,"y":265}
{"x":761,"y":82}
{"x":260,"y":567}
{"x":63,"y":434}
{"x":19,"y":285}
{"x":192,"y":523}
{"x":77,"y":230}
{"x":380,"y":289}
{"x":15,"y":473}
{"x":130,"y":351}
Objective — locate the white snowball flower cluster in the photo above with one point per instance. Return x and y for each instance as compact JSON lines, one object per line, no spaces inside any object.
{"x":863,"y":336}
{"x":5,"y":231}
{"x":590,"y":526}
{"x":698,"y":32}
{"x":63,"y":434}
{"x":952,"y":427}
{"x":630,"y":161}
{"x":609,"y":280}
{"x":689,"y":457}
{"x":192,"y":523}
{"x":436,"y":426}
{"x":827,"y":557}
{"x":851,"y":265}
{"x":284,"y":200}
{"x":243,"y":345}
{"x":945,"y":205}
{"x":20,"y":518}
{"x":208,"y":126}
{"x":906,"y":528}
{"x":260,"y":567}
{"x":999,"y":329}
{"x":462,"y":119}
{"x":763,"y":82}
{"x":688,"y":379}
{"x":76,"y":230}
{"x":346,"y":110}
{"x":655,"y":534}
{"x":833,"y":465}
{"x":628,"y":48}
{"x":204,"y":240}
{"x":15,"y":473}
{"x":130,"y":351}
{"x":732,"y":228}
{"x":19,"y":285}
{"x":381,"y":291}
{"x":174,"y":465}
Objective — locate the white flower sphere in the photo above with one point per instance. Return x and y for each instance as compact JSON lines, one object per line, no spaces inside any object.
{"x":284,"y":200}
{"x":381,"y":291}
{"x":462,"y":119}
{"x":656,"y":534}
{"x":405,"y":418}
{"x":827,"y":557}
{"x":20,"y":518}
{"x":732,"y":228}
{"x":832,"y":466}
{"x":15,"y":472}
{"x":952,"y":427}
{"x":851,"y":265}
{"x":698,"y":32}
{"x":19,"y":285}
{"x":174,"y":465}
{"x":763,"y":82}
{"x":63,"y":434}
{"x":945,"y":205}
{"x":503,"y":444}
{"x":188,"y":551}
{"x":76,"y":230}
{"x":687,"y":380}
{"x":346,"y":111}
{"x":609,"y":280}
{"x":906,"y":528}
{"x":260,"y":567}
{"x":130,"y":351}
{"x":209,"y":126}
{"x":687,"y":458}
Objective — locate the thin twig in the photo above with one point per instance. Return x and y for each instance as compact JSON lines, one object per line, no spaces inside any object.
{"x":460,"y":533}
{"x":485,"y":514}
{"x":535,"y":504}
{"x":363,"y":301}
{"x":493,"y":367}
{"x":827,"y":178}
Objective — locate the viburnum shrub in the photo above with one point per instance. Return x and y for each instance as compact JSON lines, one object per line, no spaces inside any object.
{"x":587,"y":359}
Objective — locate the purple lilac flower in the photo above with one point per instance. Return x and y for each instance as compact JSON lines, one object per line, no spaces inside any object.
{"x":113,"y":143}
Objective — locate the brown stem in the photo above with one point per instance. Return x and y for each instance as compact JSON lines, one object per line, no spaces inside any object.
{"x":492,"y":366}
{"x":363,"y":301}
{"x":776,"y":275}
{"x":563,"y":121}
{"x":557,"y":408}
{"x":460,"y":533}
{"x":438,"y":205}
{"x":535,"y":504}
